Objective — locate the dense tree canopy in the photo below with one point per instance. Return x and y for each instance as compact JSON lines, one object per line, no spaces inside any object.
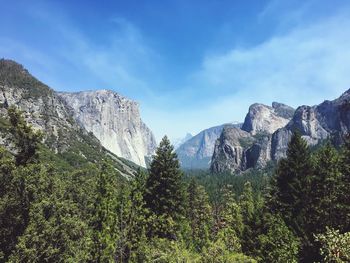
{"x":53,"y":212}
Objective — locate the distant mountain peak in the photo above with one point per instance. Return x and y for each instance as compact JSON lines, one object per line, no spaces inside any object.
{"x":178,"y":142}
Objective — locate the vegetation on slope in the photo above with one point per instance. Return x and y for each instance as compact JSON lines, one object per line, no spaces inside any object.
{"x":86,"y":213}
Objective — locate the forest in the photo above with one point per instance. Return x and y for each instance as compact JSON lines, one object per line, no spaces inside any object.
{"x":297,"y":210}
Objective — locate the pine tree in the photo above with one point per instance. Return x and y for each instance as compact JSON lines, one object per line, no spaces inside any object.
{"x":137,"y":219}
{"x":104,"y":223}
{"x":164,"y":196}
{"x":344,"y":204}
{"x":230,"y":224}
{"x":277,"y":243}
{"x":246,"y":201}
{"x":198,"y":214}
{"x":20,"y":186}
{"x":326,"y":190}
{"x":55,"y":233}
{"x":290,"y":196}
{"x":25,"y":139}
{"x":11,"y":220}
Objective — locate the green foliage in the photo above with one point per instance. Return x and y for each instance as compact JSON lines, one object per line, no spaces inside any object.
{"x":104,"y":221}
{"x":231,"y":214}
{"x":77,"y":208}
{"x":164,"y":195}
{"x":344,"y":196}
{"x":199,"y":215}
{"x":291,"y":192}
{"x":335,"y":247}
{"x":166,"y":251}
{"x":55,"y":234}
{"x":218,"y":252}
{"x":12,"y":74}
{"x":326,"y":192}
{"x":25,"y":139}
{"x":246,"y":202}
{"x":278,"y":243}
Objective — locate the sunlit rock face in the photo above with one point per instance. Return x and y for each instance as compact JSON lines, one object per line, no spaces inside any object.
{"x":239,"y":149}
{"x":115,"y":121}
{"x":265,"y":119}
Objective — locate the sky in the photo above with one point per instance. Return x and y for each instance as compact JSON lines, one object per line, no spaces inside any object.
{"x":190,"y":64}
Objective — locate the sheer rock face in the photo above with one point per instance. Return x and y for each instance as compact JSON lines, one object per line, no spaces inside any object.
{"x":330,"y":119}
{"x":228,"y":152}
{"x":115,"y":121}
{"x":196,"y":152}
{"x":265,"y":119}
{"x":250,"y":146}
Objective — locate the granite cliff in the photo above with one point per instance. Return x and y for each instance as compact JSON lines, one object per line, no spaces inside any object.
{"x":115,"y":121}
{"x":248,"y":147}
{"x":330,"y":119}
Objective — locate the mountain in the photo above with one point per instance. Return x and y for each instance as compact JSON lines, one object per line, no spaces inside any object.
{"x":196,"y":152}
{"x":240,"y":149}
{"x":330,"y":119}
{"x":115,"y":121}
{"x":269,"y":130}
{"x":265,"y":119}
{"x":178,"y":142}
{"x":45,"y":110}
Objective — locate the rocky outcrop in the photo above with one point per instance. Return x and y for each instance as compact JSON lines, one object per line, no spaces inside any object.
{"x":265,"y":119}
{"x":250,"y":147}
{"x":115,"y":121}
{"x":197,"y":151}
{"x":229,"y":150}
{"x":330,"y":119}
{"x":41,"y":106}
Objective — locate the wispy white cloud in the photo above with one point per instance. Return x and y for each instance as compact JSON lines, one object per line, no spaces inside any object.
{"x":305,"y":65}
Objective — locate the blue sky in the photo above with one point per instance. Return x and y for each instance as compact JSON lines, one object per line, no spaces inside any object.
{"x":190,"y":64}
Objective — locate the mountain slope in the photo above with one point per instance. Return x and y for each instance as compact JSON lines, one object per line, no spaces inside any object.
{"x":46,"y":111}
{"x":115,"y":121}
{"x":178,"y":142}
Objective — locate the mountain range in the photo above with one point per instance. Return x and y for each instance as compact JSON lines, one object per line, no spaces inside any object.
{"x":92,"y":125}
{"x":266,"y":132}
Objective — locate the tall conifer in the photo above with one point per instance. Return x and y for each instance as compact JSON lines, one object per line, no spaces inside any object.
{"x":164,"y":195}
